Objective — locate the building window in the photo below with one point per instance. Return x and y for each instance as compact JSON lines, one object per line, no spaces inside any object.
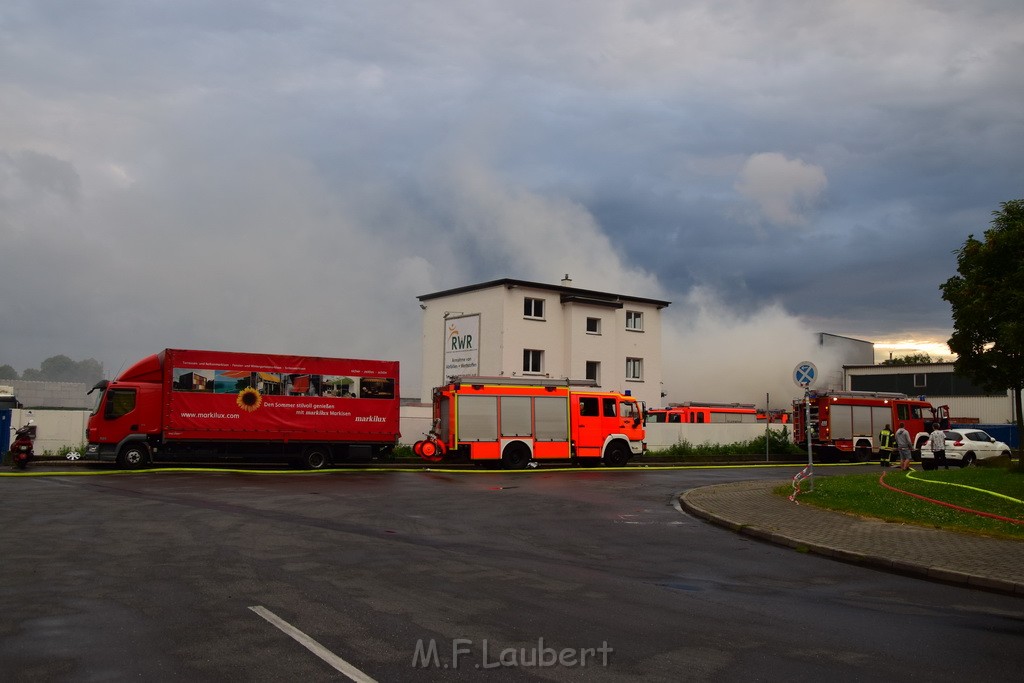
{"x":594,"y":371}
{"x":635,"y":369}
{"x":533,"y":308}
{"x":635,"y":321}
{"x":920,"y":381}
{"x":533,"y":361}
{"x":593,"y":326}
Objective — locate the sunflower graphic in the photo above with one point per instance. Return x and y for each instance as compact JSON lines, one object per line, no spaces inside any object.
{"x":249,"y":399}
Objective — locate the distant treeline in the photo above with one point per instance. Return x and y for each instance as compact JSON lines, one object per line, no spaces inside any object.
{"x":58,"y":369}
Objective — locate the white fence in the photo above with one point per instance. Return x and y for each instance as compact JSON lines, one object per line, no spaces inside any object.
{"x":66,"y":428}
{"x":664,"y":435}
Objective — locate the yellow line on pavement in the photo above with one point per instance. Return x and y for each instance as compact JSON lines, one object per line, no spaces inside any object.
{"x":350,"y":470}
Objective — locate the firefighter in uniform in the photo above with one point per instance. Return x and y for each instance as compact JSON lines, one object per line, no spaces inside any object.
{"x":886,"y":445}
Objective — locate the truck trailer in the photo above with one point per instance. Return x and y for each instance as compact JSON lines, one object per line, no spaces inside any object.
{"x":213,"y":406}
{"x":513,"y":422}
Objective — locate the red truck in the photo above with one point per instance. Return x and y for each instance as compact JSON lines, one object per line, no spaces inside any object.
{"x":202,"y":406}
{"x":845,"y":424}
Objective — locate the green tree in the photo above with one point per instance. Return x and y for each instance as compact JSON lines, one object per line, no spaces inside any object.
{"x":63,"y":369}
{"x":7,"y":372}
{"x":987,"y":297}
{"x":909,"y":359}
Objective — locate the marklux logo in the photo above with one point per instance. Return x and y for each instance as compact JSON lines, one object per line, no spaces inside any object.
{"x":371,"y":418}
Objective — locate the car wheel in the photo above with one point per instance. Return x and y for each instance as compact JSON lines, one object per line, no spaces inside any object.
{"x":928,"y":464}
{"x":968,"y":460}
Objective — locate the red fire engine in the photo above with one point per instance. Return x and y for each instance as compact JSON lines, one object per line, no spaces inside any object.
{"x":704,"y":413}
{"x":514,"y":421}
{"x":845,"y":424}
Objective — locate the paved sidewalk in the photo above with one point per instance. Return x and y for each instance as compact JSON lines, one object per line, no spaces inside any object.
{"x":751,"y":508}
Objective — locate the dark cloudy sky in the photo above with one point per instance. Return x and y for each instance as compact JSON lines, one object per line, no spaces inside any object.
{"x":289,"y":176}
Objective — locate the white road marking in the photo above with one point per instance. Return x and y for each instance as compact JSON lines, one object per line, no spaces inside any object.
{"x":316,"y":648}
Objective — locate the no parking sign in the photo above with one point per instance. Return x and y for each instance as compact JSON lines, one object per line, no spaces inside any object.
{"x":804,"y":374}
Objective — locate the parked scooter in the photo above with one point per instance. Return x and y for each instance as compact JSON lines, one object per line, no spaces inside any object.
{"x":24,"y":441}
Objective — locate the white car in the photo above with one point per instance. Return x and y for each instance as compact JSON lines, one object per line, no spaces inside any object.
{"x":964,"y":447}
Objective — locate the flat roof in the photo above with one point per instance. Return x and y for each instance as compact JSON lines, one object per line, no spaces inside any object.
{"x":569,"y":293}
{"x":903,"y":365}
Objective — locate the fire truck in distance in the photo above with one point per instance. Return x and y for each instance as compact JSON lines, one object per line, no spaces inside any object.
{"x":704,"y":413}
{"x":185,"y":405}
{"x":845,"y":424}
{"x":772,"y":416}
{"x":515,"y":421}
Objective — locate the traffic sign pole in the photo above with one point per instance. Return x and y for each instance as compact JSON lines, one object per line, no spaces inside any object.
{"x":805,"y":374}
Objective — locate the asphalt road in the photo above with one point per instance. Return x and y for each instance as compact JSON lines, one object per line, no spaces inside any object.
{"x":561,"y":576}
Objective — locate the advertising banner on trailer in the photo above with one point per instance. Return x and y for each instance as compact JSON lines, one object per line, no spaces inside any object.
{"x":268,"y":396}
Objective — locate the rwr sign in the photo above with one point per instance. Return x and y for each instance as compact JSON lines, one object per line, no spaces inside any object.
{"x":462,"y":342}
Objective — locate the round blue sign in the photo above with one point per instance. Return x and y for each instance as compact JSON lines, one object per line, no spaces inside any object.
{"x":804,"y":374}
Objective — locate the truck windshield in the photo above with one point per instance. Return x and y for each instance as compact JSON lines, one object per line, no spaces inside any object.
{"x":629,"y":409}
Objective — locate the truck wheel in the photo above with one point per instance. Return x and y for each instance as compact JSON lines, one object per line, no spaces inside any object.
{"x":616,"y":455}
{"x":862,"y":454}
{"x":133,"y":456}
{"x":314,"y":459}
{"x":516,"y":456}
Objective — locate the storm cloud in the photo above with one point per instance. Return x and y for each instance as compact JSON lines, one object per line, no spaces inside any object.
{"x":288,"y":177}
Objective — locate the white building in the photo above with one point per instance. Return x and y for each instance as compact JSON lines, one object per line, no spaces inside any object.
{"x":940,"y":385}
{"x":515,"y":328}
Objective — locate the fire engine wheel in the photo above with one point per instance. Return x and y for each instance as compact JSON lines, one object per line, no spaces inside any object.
{"x":862,"y":454}
{"x":616,"y":455}
{"x":314,"y":458}
{"x":133,"y":456}
{"x":516,"y":456}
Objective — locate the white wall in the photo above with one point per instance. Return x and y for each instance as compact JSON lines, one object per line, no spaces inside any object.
{"x":414,"y":423}
{"x":59,"y":428}
{"x":54,"y":428}
{"x":662,"y":435}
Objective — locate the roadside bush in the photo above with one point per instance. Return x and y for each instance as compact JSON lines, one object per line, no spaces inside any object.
{"x":63,"y":451}
{"x":778,"y":444}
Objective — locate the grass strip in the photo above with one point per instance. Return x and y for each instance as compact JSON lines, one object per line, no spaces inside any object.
{"x":861,"y":494}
